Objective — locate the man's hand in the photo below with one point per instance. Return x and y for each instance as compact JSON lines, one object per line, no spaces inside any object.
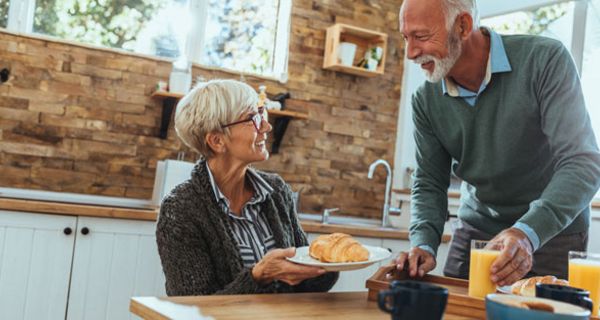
{"x":515,"y":259}
{"x":418,"y":262}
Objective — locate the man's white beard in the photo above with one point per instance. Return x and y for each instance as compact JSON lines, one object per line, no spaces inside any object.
{"x":442,"y":66}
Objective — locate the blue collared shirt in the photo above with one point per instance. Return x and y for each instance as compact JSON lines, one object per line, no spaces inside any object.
{"x":497,"y":63}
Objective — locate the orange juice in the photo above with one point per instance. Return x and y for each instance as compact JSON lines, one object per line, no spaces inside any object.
{"x":480,"y":283}
{"x":585,"y":274}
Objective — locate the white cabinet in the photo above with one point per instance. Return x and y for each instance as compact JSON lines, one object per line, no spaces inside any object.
{"x":35,"y":264}
{"x":396,"y":246}
{"x":115,"y":260}
{"x":97,"y":267}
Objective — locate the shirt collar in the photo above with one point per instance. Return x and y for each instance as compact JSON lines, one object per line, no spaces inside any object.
{"x":261,"y":188}
{"x":497,"y":63}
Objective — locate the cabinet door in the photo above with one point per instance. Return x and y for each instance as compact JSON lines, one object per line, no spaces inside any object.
{"x":396,"y":246}
{"x":35,"y":263}
{"x":115,"y":260}
{"x":354,"y":280}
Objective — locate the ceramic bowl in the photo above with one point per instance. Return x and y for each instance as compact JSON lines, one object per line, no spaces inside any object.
{"x":503,"y":307}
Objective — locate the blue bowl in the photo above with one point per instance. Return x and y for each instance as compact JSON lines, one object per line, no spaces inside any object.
{"x":503,"y":307}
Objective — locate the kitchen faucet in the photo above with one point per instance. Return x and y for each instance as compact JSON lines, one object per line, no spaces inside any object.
{"x":326,"y":213}
{"x":385,"y":219}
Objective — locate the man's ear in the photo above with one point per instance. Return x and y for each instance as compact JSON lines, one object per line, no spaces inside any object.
{"x":465,"y":25}
{"x":216,"y":142}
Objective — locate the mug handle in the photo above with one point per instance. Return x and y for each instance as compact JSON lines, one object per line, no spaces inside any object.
{"x":587,"y":303}
{"x":383,"y":295}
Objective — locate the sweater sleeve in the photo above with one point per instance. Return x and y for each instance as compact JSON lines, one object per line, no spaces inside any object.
{"x":431,"y":179}
{"x":187,"y":267}
{"x":321,"y":283}
{"x":567,"y":126}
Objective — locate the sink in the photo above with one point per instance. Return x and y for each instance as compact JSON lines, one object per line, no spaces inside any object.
{"x":342,"y":220}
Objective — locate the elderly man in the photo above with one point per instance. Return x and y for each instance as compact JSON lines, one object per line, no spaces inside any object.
{"x":507,"y":115}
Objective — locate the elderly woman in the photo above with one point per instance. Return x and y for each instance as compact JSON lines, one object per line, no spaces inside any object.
{"x":230,"y":228}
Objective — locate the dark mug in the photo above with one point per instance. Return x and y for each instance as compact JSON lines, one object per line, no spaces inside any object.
{"x":410,"y":299}
{"x":566,"y":294}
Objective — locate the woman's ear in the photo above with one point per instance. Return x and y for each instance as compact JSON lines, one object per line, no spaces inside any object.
{"x":216,"y":142}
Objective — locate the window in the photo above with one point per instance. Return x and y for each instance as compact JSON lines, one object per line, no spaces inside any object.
{"x":590,"y":71}
{"x":241,"y":35}
{"x":560,"y":19}
{"x":236,"y":35}
{"x":134,"y":25}
{"x":3,"y":13}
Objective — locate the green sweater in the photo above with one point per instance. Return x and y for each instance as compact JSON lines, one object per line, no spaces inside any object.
{"x":526,"y":151}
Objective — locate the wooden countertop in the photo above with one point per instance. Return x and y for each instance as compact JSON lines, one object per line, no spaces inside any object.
{"x":73,"y":209}
{"x":338,"y":305}
{"x":37,"y":206}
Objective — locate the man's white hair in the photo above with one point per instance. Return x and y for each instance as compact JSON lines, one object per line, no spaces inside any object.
{"x":452,"y":8}
{"x":209,"y":106}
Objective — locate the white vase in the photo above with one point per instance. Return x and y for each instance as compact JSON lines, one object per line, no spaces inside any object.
{"x":180,"y":81}
{"x":346,"y":52}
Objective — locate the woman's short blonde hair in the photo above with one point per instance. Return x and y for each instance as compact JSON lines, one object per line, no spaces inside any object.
{"x":207,"y":107}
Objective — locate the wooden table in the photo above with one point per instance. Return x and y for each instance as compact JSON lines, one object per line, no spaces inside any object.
{"x":338,"y":305}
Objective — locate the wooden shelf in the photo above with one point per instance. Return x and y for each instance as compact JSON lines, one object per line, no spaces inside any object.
{"x":285,"y":113}
{"x":281,"y":117}
{"x":357,"y":71}
{"x":166,"y":94}
{"x":363,"y":38}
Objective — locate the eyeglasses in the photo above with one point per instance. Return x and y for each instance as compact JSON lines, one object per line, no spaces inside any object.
{"x":256,"y":119}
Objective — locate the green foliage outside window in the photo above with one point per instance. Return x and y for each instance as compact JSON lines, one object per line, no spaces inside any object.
{"x":111,"y":23}
{"x":4,"y":13}
{"x":529,"y":22}
{"x":241,"y":35}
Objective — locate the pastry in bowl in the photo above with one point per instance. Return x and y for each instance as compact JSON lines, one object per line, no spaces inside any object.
{"x":510,"y":307}
{"x":526,"y":287}
{"x":338,"y":247}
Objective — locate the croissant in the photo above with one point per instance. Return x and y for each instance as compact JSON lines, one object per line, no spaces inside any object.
{"x":337,"y":247}
{"x":526,"y":287}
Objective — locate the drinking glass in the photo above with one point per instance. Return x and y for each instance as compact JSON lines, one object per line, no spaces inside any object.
{"x":584,"y":273}
{"x":483,"y":255}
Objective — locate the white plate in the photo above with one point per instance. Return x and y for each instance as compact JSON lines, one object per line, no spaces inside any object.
{"x":504,"y":289}
{"x":376,"y":254}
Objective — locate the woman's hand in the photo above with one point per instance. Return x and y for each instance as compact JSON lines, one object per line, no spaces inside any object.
{"x":275,"y":266}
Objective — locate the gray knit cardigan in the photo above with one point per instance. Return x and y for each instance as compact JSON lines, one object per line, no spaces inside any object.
{"x":196,"y":246}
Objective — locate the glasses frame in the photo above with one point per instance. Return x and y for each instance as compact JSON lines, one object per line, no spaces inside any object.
{"x":256,"y":119}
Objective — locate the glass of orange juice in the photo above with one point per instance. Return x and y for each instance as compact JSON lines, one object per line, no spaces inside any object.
{"x":482,"y":257}
{"x":584,"y":273}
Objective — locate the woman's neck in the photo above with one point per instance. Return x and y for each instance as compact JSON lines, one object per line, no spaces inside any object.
{"x":230,"y":177}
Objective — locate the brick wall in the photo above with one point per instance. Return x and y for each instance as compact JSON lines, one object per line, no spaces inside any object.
{"x":81,"y":119}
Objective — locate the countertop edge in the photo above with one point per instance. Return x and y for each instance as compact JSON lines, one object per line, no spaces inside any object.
{"x":453,"y":194}
{"x":37,"y":206}
{"x":72,"y":209}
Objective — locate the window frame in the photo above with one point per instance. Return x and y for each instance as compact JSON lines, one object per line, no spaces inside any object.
{"x":404,"y":157}
{"x":21,"y":16}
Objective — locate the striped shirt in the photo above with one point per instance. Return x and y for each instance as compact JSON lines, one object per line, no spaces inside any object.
{"x":250,"y":230}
